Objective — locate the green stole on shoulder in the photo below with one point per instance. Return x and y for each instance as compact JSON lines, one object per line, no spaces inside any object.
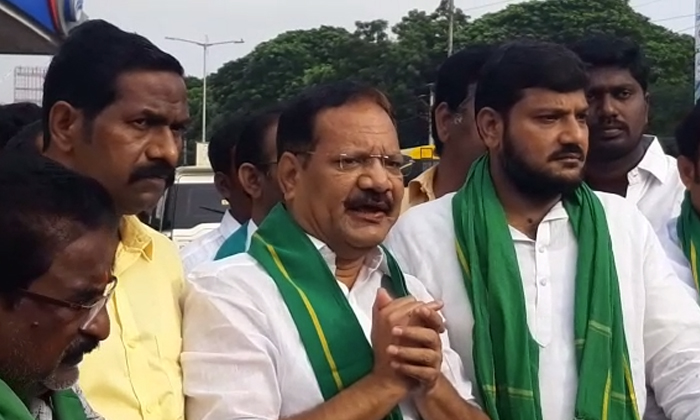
{"x":506,"y":357}
{"x":333,"y":338}
{"x":234,"y":244}
{"x":66,"y":405}
{"x":688,"y":229}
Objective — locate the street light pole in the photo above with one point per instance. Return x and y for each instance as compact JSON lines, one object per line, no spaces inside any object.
{"x":451,"y":30}
{"x":205,"y":48}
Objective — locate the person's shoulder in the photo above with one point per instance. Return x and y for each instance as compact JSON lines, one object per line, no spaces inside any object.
{"x":195,"y":245}
{"x":238,"y":273}
{"x":427,"y":216}
{"x":618,"y":208}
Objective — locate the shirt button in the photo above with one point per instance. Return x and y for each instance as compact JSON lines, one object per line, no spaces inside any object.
{"x":540,"y":249}
{"x":543,"y":282}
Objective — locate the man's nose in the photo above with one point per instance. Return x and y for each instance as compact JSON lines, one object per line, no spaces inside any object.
{"x":165,"y":145}
{"x":99,"y":326}
{"x":375,"y":177}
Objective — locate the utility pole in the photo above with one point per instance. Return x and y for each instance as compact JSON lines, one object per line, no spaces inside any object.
{"x":205,"y":48}
{"x":451,"y":30}
{"x":431,"y":102}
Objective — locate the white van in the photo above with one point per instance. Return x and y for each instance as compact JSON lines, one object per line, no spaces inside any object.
{"x":190,"y":207}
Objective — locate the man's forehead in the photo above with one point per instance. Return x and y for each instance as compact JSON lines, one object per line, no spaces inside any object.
{"x":602,"y":77}
{"x":153,"y":87}
{"x":545,"y":98}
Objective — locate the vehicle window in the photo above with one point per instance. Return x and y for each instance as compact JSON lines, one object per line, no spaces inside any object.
{"x":188,"y":205}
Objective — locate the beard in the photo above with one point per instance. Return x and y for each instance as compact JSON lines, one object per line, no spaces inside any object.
{"x":537,"y":184}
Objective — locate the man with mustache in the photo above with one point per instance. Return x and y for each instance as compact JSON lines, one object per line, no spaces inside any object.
{"x":559,"y":299}
{"x":622,"y":159}
{"x":57,"y":243}
{"x":115,"y":109}
{"x":316,"y":318}
{"x":256,"y":160}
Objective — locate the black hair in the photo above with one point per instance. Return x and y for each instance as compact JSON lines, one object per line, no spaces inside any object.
{"x":688,"y":134}
{"x":612,"y":51}
{"x":455,"y":76}
{"x":13,"y":117}
{"x":88,"y":64}
{"x":296,"y":127}
{"x":251,"y":145}
{"x":519,"y":65}
{"x":45,"y":207}
{"x":26,"y":139}
{"x":222,"y":143}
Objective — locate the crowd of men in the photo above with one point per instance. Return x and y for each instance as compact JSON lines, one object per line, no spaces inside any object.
{"x":544,"y":269}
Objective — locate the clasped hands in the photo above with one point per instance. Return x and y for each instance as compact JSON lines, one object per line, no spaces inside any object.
{"x":406,"y":341}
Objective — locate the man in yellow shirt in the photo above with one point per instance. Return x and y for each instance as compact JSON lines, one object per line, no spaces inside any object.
{"x":453,"y":128}
{"x":115,"y":108}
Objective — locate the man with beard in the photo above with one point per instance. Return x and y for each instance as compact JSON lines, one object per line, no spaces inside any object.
{"x":622,"y":159}
{"x":560,"y":300}
{"x":452,"y":126}
{"x":57,"y":243}
{"x":115,"y":109}
{"x":316,"y":318}
{"x":256,"y":160}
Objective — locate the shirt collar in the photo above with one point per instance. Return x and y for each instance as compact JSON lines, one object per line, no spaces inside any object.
{"x":655,"y":161}
{"x":228,"y":225}
{"x":421,"y":187}
{"x":135,"y":237}
{"x":374,"y":260}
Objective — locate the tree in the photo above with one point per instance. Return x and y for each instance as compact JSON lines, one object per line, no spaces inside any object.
{"x":403,"y":60}
{"x":671,"y":55}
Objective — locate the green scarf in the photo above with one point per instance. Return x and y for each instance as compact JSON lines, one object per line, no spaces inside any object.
{"x":66,"y":405}
{"x":506,"y":357}
{"x":234,"y":244}
{"x":333,"y":339}
{"x":688,"y":229}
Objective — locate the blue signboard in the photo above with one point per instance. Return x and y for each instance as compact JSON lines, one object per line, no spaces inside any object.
{"x":57,"y":17}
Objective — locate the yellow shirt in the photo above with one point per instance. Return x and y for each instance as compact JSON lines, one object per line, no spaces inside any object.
{"x":135,"y":374}
{"x":419,"y":189}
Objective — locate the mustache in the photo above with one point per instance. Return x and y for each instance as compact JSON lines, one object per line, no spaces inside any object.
{"x":568,"y":151}
{"x":607,"y":124}
{"x":80,"y":347}
{"x":370,"y":199}
{"x":157,"y":170}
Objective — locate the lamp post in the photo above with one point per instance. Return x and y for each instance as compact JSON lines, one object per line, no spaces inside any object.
{"x":205,"y":48}
{"x":451,"y":29}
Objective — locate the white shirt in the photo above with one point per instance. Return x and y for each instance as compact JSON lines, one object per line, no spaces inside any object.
{"x":205,"y":247}
{"x":655,"y":186}
{"x":242,"y":354}
{"x":662,"y":323}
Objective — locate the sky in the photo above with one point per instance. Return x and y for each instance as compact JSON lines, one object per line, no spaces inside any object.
{"x":256,"y":21}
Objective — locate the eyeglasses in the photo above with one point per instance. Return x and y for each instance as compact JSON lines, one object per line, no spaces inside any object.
{"x":396,"y":165}
{"x":91,"y":309}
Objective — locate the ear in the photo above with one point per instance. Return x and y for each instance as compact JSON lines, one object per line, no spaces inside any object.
{"x":222,"y":184}
{"x":686,"y":168}
{"x":490,"y":126}
{"x":289,"y":169}
{"x":249,"y":178}
{"x":65,"y":125}
{"x":444,"y":119}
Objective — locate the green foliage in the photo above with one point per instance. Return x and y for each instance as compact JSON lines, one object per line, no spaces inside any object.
{"x":402,"y":60}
